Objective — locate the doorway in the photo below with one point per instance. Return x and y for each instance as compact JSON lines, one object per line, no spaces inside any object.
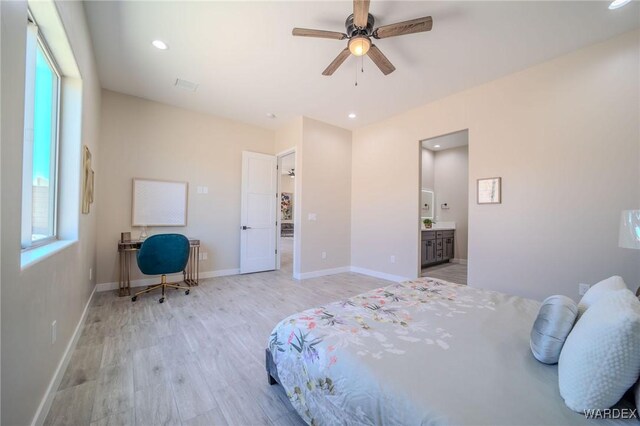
{"x":444,"y":207}
{"x":286,"y":216}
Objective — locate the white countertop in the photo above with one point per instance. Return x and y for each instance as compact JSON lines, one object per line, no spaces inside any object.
{"x":441,"y":226}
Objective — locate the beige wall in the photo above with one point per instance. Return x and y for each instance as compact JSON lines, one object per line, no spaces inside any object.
{"x":322,"y":186}
{"x":323,"y":168}
{"x":288,"y":136}
{"x":428,"y":170}
{"x":451,"y":183}
{"x":557,"y":134}
{"x":58,"y":287}
{"x":141,"y":138}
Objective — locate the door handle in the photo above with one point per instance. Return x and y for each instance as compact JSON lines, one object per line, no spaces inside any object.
{"x":244,"y":228}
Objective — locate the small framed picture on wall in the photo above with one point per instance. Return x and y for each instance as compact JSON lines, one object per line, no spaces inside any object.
{"x":490,"y":190}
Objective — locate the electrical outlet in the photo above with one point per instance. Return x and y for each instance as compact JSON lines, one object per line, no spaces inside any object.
{"x":324,"y":254}
{"x":392,"y":259}
{"x":54,"y":332}
{"x":582,"y":288}
{"x":204,"y":255}
{"x":90,"y":274}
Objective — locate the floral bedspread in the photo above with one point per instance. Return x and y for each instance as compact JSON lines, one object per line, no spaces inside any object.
{"x":420,"y":352}
{"x":310,"y":347}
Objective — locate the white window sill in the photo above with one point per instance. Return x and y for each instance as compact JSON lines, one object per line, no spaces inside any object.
{"x":32,"y":256}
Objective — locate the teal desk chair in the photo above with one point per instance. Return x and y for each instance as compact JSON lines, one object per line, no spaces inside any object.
{"x":161,"y":255}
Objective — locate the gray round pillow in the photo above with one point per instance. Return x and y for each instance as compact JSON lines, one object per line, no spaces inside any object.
{"x":551,"y":328}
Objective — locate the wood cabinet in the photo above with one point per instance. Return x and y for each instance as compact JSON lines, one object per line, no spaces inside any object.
{"x":437,"y":247}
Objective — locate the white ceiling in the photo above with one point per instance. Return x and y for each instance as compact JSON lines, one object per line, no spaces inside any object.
{"x":452,"y":140}
{"x":247,"y":64}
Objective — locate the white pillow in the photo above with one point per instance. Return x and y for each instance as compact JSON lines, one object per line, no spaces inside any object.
{"x":598,"y":291}
{"x":600,"y":359}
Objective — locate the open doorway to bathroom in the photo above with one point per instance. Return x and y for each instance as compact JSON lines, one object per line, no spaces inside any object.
{"x":444,"y":207}
{"x":286,"y":228}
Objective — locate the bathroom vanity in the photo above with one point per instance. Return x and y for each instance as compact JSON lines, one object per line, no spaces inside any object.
{"x":437,"y":246}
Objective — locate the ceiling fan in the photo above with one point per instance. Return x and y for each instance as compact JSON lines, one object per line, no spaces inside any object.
{"x":360,"y":31}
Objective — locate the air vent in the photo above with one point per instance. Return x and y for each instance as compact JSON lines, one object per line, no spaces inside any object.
{"x":186,"y":85}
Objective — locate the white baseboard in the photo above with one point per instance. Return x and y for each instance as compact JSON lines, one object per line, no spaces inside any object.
{"x":174,"y":277}
{"x":226,"y":272}
{"x":321,"y":273}
{"x":460,"y":261}
{"x":45,"y":404}
{"x":377,"y":274}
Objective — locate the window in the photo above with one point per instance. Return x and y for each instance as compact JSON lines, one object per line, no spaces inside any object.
{"x":40,"y":168}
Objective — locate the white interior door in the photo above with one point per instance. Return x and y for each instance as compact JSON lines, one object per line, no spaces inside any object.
{"x":258,"y":212}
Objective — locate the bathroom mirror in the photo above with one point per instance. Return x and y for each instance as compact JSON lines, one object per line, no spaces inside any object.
{"x":427,"y":203}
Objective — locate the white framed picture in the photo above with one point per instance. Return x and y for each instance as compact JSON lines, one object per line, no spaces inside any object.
{"x":159,"y":203}
{"x":490,"y":190}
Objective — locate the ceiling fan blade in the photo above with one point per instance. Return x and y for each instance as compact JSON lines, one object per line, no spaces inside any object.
{"x":305,"y":32}
{"x":333,"y":66}
{"x":380,"y":60}
{"x":360,"y":13}
{"x":407,"y":27}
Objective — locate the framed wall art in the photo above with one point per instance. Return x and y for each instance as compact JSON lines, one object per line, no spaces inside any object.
{"x":490,"y":190}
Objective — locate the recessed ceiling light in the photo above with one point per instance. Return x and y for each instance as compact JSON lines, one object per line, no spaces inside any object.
{"x":352,"y":115}
{"x":615,"y":4}
{"x":271,"y":115}
{"x":436,"y":146}
{"x":160,"y":44}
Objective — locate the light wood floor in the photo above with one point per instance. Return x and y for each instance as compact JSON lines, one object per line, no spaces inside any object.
{"x":193,"y":360}
{"x":452,"y":272}
{"x":286,"y":254}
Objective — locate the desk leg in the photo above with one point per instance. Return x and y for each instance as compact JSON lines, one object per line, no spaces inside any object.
{"x":191,"y":271}
{"x":128,"y":284}
{"x":120,"y":274}
{"x":124,"y":279}
{"x":187,"y":270}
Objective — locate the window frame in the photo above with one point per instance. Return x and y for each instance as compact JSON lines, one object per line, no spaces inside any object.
{"x":27,"y":225}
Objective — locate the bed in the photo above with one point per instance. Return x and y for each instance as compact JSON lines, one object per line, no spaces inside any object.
{"x":421,"y":352}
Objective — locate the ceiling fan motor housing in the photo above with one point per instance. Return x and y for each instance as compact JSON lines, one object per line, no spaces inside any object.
{"x":353,"y":31}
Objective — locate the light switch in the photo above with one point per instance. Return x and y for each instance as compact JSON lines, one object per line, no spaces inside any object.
{"x":312,"y":216}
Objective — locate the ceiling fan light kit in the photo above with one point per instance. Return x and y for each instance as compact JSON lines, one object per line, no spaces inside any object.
{"x":359,"y":45}
{"x":360,"y":30}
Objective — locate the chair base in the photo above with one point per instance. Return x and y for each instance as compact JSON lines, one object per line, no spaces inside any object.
{"x":163,"y":285}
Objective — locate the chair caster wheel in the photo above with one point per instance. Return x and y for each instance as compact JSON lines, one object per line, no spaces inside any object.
{"x":161,"y":300}
{"x":187,"y":292}
{"x":134,"y":298}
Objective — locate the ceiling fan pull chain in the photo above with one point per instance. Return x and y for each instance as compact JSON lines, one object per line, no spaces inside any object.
{"x":356,"y":73}
{"x":362,"y":63}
